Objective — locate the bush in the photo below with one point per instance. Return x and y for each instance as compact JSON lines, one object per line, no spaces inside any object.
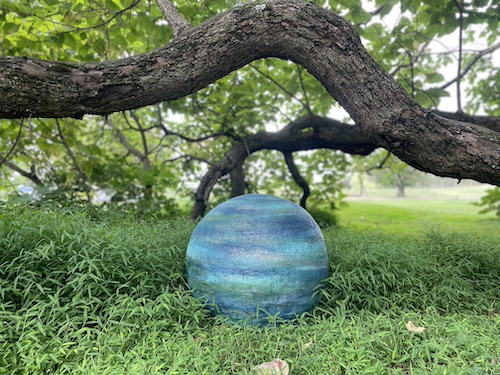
{"x":323,"y":217}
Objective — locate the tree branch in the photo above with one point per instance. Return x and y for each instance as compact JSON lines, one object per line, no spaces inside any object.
{"x":31,"y":175}
{"x":237,"y":177}
{"x":469,"y":66}
{"x":489,"y":122}
{"x":299,"y":180}
{"x":176,"y":21}
{"x":125,"y":143}
{"x":325,"y":133}
{"x":16,"y":141}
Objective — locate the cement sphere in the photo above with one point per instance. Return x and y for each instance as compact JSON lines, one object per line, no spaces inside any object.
{"x":257,"y":255}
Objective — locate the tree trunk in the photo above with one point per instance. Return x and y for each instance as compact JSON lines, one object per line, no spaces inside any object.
{"x":237,"y":177}
{"x":401,"y":191}
{"x":324,"y":43}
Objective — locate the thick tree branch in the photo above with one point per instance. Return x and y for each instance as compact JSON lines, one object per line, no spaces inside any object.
{"x":324,"y":133}
{"x":237,"y":177}
{"x":324,"y":43}
{"x":175,"y":20}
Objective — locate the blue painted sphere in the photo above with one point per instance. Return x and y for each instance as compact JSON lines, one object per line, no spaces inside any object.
{"x":255,"y":255}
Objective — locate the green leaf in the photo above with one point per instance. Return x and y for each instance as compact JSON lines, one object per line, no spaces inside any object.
{"x":88,"y":168}
{"x":51,"y":2}
{"x":113,"y":5}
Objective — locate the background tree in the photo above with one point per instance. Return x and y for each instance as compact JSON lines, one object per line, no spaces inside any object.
{"x":161,"y":151}
{"x":392,"y":172}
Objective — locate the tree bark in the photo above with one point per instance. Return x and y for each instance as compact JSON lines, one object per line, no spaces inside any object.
{"x":324,"y":43}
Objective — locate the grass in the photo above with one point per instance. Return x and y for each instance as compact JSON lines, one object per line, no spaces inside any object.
{"x":96,"y":293}
{"x":417,"y":217}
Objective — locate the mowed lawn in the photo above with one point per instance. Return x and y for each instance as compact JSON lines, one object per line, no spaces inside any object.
{"x":424,"y":210}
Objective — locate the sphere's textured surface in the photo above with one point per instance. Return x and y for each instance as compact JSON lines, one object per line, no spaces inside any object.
{"x":257,"y":253}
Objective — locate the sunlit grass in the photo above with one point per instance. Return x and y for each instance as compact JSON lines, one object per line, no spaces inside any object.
{"x":103,"y":294}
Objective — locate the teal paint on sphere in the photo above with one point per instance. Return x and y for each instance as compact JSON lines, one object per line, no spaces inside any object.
{"x":257,"y":252}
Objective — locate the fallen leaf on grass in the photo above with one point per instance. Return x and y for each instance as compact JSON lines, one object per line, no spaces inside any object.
{"x":275,"y":367}
{"x":308,"y":344}
{"x":411,"y":327}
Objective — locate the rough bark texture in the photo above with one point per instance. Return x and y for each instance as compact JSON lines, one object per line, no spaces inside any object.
{"x":489,"y":122}
{"x":324,"y":43}
{"x":306,"y":133}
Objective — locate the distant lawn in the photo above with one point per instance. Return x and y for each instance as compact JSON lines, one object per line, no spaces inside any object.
{"x":415,"y":216}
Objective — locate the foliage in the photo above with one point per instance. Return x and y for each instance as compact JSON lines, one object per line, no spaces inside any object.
{"x":98,"y":292}
{"x":492,"y":201}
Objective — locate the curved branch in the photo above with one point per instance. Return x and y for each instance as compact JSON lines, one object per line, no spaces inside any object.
{"x":299,"y":180}
{"x":31,"y":175}
{"x":469,"y":66}
{"x":324,"y":43}
{"x":325,"y":133}
{"x":16,"y":141}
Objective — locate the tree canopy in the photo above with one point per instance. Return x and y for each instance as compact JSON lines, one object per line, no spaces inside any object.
{"x":201,"y":90}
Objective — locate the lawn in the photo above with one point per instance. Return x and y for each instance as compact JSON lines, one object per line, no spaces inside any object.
{"x":407,"y":216}
{"x":424,"y":210}
{"x":98,"y":293}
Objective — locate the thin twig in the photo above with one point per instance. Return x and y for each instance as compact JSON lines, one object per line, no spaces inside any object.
{"x":381,"y":164}
{"x":4,"y":159}
{"x":125,"y":143}
{"x":460,"y":53}
{"x":304,"y":91}
{"x":176,"y":21}
{"x":279,"y":85}
{"x":469,"y":66}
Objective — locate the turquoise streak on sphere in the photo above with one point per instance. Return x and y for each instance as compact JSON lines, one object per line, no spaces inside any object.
{"x":257,"y":252}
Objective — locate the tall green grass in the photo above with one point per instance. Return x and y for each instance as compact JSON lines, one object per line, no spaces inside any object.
{"x":97,"y":293}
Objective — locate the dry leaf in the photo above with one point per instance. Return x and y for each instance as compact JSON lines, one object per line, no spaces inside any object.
{"x":308,"y":344}
{"x":411,"y":327}
{"x":275,"y":367}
